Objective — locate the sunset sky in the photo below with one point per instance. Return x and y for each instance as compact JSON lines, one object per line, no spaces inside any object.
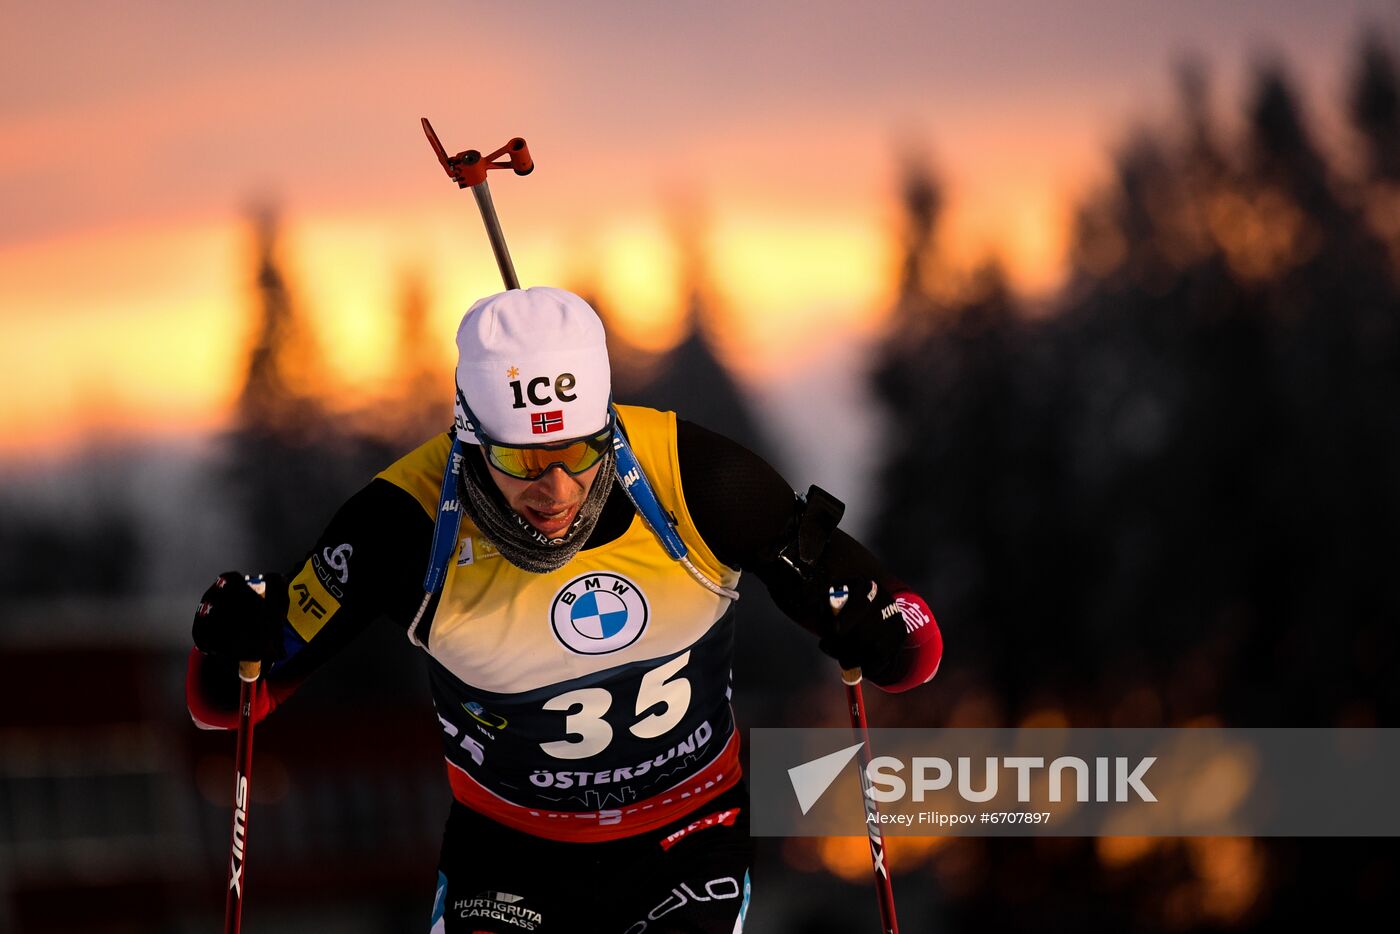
{"x":135,"y":135}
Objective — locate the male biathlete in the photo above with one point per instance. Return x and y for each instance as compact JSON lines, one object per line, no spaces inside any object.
{"x":581,"y":675}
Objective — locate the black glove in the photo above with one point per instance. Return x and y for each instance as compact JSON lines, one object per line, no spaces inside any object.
{"x":234,"y":621}
{"x":867,"y":632}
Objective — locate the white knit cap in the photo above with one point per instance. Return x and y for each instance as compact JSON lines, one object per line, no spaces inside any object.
{"x":533,"y":366}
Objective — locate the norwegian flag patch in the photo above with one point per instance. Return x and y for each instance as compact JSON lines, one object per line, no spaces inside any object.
{"x":542,"y":423}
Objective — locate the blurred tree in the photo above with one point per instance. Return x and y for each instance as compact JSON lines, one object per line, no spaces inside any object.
{"x":1171,"y":447}
{"x":1173,"y":497}
{"x":419,"y":401}
{"x":1375,"y":108}
{"x":283,"y":362}
{"x":689,"y":378}
{"x":291,"y":460}
{"x":922,"y":202}
{"x":1375,"y":114}
{"x":968,"y":383}
{"x":425,"y":374}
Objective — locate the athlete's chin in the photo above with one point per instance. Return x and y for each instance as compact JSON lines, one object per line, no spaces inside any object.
{"x":552,"y":523}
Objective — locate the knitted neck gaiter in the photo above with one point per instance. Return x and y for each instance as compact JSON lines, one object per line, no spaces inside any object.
{"x":521,"y":543}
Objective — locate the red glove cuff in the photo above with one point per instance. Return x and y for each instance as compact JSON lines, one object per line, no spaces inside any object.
{"x":923,"y":644}
{"x":200,"y":677}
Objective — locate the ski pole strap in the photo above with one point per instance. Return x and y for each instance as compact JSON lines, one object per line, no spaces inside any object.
{"x":448,"y":522}
{"x":638,"y":489}
{"x":446,"y":527}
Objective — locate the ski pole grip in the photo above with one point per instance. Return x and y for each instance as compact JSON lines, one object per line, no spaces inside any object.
{"x":249,"y":671}
{"x":520,"y":159}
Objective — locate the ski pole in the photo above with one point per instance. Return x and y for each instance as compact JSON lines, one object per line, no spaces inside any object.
{"x":248,"y":673}
{"x":468,"y":169}
{"x":855,"y":703}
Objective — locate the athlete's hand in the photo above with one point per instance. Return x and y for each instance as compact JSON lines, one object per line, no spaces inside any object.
{"x":867,"y":630}
{"x":235,"y":621}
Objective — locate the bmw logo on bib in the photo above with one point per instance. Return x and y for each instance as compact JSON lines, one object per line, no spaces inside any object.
{"x":598,"y":613}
